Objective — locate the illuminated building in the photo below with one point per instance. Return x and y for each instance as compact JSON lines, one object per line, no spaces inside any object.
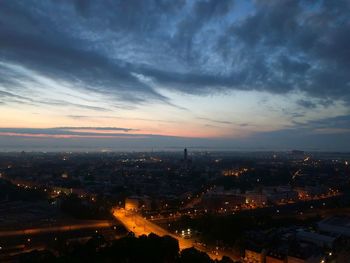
{"x":254,"y":255}
{"x":132,"y":204}
{"x":255,"y":199}
{"x":136,"y":203}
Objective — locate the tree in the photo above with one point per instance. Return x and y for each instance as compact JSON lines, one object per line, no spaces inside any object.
{"x":190,"y":255}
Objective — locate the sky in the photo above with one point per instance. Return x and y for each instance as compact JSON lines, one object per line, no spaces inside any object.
{"x":165,"y":74}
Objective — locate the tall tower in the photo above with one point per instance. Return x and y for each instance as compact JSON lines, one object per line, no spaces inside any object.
{"x":185,"y":154}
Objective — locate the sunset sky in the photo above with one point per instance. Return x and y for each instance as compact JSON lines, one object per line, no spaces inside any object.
{"x":214,"y":74}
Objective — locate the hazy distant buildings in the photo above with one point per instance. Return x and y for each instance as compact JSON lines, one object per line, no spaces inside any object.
{"x":335,"y":225}
{"x":281,"y":194}
{"x":298,"y":152}
{"x":316,"y":238}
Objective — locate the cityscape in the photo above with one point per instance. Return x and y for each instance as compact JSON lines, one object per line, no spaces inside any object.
{"x":232,"y":206}
{"x":175,"y":131}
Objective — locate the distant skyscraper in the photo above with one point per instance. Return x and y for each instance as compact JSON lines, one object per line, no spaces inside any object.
{"x":185,"y":154}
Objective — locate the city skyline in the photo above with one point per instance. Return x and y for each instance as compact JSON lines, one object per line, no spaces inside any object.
{"x":130,"y":75}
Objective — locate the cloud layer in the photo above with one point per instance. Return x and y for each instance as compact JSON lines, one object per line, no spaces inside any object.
{"x":125,"y":49}
{"x":95,"y":66}
{"x":67,"y":132}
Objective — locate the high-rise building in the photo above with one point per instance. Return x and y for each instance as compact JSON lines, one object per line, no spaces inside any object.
{"x":185,"y":154}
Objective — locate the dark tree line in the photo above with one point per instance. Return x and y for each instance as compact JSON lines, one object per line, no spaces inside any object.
{"x":78,"y":208}
{"x":11,"y":192}
{"x":130,"y":249}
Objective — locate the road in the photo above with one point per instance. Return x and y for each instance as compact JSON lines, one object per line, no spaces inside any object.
{"x":140,"y":226}
{"x":44,"y":230}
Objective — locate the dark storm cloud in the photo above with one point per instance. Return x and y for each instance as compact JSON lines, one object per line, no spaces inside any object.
{"x":197,"y":47}
{"x":301,"y":45}
{"x":202,"y":12}
{"x":39,"y":43}
{"x":306,"y":104}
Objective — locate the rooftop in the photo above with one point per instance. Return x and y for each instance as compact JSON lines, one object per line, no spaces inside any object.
{"x":342,"y":221}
